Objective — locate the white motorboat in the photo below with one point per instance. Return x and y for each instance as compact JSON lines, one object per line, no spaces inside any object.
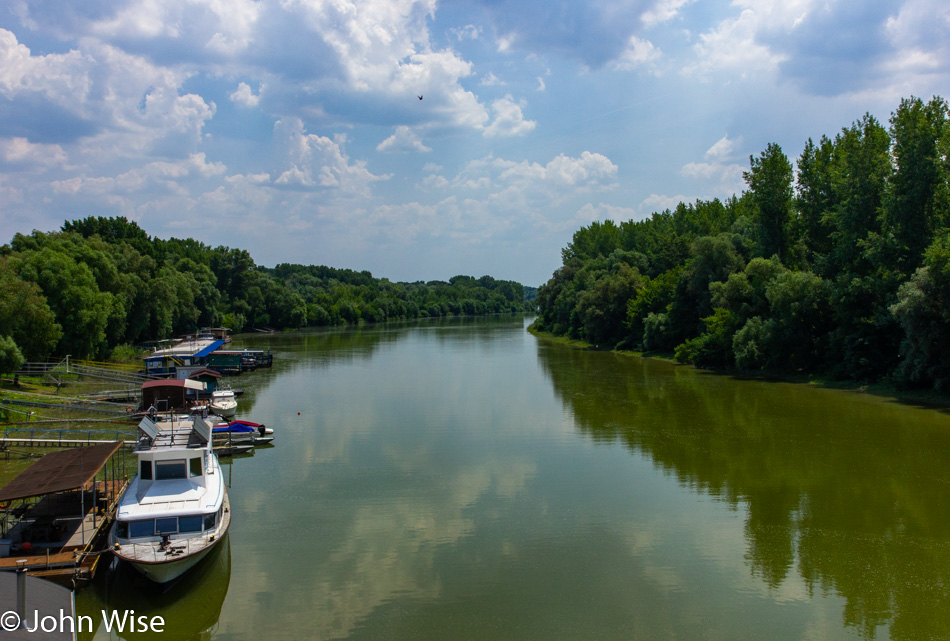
{"x":223,"y":402}
{"x":176,"y":509}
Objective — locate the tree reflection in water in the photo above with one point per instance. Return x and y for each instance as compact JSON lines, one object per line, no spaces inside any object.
{"x":846,"y":489}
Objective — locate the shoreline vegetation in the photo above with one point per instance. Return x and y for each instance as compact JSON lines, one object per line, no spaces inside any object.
{"x":883,"y":389}
{"x":836,"y":269}
{"x":98,"y":287}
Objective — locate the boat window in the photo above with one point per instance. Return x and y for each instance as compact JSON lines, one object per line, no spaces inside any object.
{"x":195,"y":464}
{"x":165,"y":470}
{"x":146,"y":473}
{"x":122,"y":529}
{"x":189,"y":523}
{"x":209,"y":522}
{"x":167,"y":525}
{"x":141,"y":528}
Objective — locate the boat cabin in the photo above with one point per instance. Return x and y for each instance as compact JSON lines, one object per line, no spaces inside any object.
{"x":171,"y":394}
{"x":174,"y":464}
{"x":216,"y":333}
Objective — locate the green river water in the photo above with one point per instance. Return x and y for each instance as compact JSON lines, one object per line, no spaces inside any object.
{"x":466,"y":480}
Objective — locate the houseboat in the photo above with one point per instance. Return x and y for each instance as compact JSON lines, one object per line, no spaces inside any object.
{"x":216,"y":333}
{"x":239,"y":361}
{"x":176,"y":508}
{"x":166,"y":359}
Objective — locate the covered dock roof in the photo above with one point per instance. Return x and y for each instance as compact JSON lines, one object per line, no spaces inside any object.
{"x":60,"y":471}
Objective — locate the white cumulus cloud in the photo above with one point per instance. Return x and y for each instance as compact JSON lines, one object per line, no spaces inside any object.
{"x":245,"y":96}
{"x":719,"y":169}
{"x":732,"y":46}
{"x":659,"y":202}
{"x":638,"y":53}
{"x":662,"y":11}
{"x":21,"y":152}
{"x":509,"y":120}
{"x":404,"y":140}
{"x":319,"y":162}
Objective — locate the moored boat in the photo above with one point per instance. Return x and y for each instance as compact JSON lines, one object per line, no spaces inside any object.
{"x":223,"y":403}
{"x":176,"y":509}
{"x":241,"y":426}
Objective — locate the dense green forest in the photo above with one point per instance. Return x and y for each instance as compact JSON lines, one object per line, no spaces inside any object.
{"x":100,"y":283}
{"x":839,"y":266}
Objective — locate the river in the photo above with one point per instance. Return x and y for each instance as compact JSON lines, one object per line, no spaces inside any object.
{"x":465,"y":480}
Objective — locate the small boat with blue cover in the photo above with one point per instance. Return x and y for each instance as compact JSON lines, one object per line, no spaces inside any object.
{"x":241,"y":427}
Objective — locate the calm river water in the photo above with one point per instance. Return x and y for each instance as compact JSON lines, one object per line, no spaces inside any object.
{"x":467,"y":481}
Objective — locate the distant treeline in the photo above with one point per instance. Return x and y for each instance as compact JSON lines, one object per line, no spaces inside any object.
{"x":99,"y":283}
{"x":840,"y":268}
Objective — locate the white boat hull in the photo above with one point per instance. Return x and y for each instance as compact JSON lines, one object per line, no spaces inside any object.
{"x":153,"y":561}
{"x":224,"y":410}
{"x":223,"y":403}
{"x":170,"y":570}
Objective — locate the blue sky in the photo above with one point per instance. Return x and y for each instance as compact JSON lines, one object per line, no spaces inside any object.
{"x":293,"y":128}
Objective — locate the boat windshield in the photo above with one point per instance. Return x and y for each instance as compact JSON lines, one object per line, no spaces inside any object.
{"x":165,"y":470}
{"x":144,"y":528}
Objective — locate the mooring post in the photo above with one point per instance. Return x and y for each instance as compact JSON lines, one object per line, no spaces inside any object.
{"x":21,"y":591}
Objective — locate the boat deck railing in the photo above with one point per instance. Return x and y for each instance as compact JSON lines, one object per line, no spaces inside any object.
{"x":153,"y":552}
{"x":176,"y":431}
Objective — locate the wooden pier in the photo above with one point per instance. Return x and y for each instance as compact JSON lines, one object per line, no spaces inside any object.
{"x":57,"y":514}
{"x":54,"y":442}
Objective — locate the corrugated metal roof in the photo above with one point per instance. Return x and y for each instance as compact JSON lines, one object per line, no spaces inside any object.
{"x":60,"y":471}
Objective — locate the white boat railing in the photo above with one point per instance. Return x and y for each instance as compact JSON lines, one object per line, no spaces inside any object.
{"x":153,"y":552}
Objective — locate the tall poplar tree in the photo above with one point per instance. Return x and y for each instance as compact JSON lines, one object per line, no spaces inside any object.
{"x":770,"y":181}
{"x":816,"y":197}
{"x":916,"y":208}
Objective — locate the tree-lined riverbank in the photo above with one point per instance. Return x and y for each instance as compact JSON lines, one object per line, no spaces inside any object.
{"x":839,"y":267}
{"x":100,"y":283}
